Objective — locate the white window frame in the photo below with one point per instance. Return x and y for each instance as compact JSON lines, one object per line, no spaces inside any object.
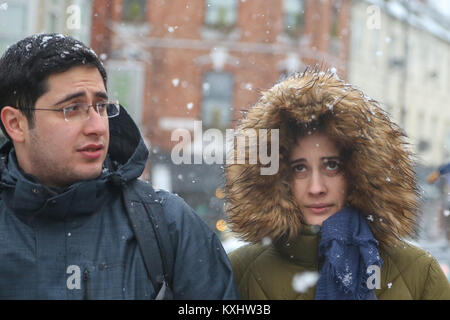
{"x":84,"y":33}
{"x":30,"y":8}
{"x":210,"y":22}
{"x":286,"y":11}
{"x":137,"y":71}
{"x":229,"y":105}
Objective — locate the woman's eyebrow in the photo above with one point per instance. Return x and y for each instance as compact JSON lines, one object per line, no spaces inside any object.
{"x":297,"y":160}
{"x":331,"y":158}
{"x":328,"y":158}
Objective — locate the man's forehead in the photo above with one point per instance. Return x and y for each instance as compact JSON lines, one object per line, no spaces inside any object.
{"x":76,"y":81}
{"x":77,"y":73}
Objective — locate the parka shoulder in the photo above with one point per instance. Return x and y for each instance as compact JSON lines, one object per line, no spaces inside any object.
{"x":262,"y":273}
{"x":410,"y":272}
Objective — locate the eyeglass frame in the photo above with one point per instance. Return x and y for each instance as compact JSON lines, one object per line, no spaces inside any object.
{"x":94,"y":106}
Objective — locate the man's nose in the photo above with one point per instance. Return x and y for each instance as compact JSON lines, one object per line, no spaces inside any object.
{"x":317,"y":184}
{"x":95,"y":124}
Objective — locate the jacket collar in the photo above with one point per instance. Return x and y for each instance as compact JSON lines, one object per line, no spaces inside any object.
{"x":304,"y":248}
{"x":25,"y":196}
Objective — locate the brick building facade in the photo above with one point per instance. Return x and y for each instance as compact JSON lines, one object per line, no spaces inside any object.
{"x":189,"y":60}
{"x":255,"y":48}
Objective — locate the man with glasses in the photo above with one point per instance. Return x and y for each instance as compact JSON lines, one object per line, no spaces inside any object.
{"x":75,"y":221}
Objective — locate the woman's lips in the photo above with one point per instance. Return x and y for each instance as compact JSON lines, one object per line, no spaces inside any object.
{"x":319,"y":209}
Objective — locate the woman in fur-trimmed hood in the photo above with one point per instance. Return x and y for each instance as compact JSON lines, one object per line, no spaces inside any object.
{"x":344,"y":197}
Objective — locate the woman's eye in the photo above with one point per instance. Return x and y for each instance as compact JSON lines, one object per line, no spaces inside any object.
{"x":332,"y":165}
{"x":299,"y":168}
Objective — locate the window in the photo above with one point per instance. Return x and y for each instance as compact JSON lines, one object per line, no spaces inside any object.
{"x":294,"y":16}
{"x":161,"y":177}
{"x":55,"y":13}
{"x":217,"y":99}
{"x":220,"y":14}
{"x":447,"y":142}
{"x":83,"y":31}
{"x":13,"y":23}
{"x":334,"y":28}
{"x":126,"y":84}
{"x":134,"y":11}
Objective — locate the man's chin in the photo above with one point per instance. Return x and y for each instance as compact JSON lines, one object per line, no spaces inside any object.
{"x":83,"y":176}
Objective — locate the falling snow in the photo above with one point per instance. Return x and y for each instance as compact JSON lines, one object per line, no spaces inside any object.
{"x":302,"y":281}
{"x":266,"y":241}
{"x":45,"y":40}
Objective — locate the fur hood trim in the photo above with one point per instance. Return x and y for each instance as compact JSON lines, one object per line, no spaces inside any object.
{"x":379,"y":169}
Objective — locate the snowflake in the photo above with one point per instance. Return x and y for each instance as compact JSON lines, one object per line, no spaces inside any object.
{"x":301,"y":282}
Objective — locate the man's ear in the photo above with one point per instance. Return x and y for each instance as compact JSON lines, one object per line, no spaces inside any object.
{"x":15,"y":123}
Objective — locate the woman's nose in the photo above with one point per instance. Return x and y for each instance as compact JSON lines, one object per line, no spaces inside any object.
{"x":317,"y":184}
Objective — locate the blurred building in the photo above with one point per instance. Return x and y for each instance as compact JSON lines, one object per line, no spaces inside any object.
{"x":408,"y":59}
{"x":400,"y":56}
{"x":21,"y":18}
{"x":173,"y":62}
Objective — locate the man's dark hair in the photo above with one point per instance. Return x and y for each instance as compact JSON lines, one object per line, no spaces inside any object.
{"x":26,"y":66}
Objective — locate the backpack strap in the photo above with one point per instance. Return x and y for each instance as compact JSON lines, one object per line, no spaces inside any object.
{"x":147,"y":219}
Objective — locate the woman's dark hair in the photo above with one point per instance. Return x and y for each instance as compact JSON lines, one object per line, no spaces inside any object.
{"x":26,"y":66}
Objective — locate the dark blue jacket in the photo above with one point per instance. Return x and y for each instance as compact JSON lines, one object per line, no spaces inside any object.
{"x":77,"y":243}
{"x":444,"y":169}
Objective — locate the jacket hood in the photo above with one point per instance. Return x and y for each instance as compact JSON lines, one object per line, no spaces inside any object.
{"x":126,"y":159}
{"x":127,"y":150}
{"x":379,"y":167}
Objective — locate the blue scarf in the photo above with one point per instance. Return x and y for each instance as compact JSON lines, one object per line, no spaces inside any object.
{"x":347,"y":248}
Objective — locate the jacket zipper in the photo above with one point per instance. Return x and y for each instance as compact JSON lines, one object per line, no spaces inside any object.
{"x":85,"y":282}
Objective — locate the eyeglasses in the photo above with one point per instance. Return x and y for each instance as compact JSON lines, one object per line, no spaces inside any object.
{"x":80,"y":111}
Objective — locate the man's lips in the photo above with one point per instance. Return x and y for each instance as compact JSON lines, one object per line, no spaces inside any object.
{"x":91,"y":151}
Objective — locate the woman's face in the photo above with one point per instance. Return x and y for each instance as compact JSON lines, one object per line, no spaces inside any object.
{"x":319,"y":185}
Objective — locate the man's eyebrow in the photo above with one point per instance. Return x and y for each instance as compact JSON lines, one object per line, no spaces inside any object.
{"x":70,"y":96}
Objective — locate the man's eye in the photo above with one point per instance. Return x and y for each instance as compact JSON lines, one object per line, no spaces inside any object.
{"x":102,"y":105}
{"x":73,"y":107}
